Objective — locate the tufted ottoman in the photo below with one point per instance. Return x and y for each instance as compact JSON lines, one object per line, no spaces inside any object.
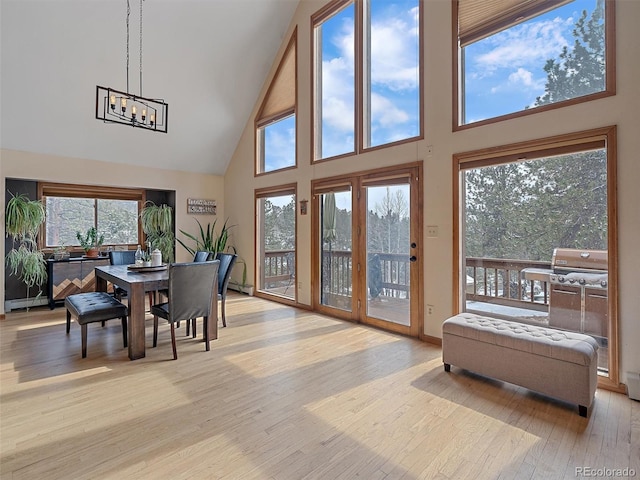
{"x":94,"y":307}
{"x":552,"y":362}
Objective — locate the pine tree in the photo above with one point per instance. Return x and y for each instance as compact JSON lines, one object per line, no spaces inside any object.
{"x":580,"y":71}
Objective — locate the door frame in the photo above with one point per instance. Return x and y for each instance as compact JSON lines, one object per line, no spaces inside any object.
{"x":356,"y":181}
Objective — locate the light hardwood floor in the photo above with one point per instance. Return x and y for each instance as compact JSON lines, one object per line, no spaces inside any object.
{"x":283,"y":394}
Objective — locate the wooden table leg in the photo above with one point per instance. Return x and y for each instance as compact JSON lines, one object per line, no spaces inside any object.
{"x":101,"y":284}
{"x":136,"y":322}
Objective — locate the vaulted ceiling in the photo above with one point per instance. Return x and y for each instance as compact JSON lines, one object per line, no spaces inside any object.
{"x":208,"y":59}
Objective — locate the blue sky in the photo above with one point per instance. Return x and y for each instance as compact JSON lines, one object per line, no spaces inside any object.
{"x":504,"y":74}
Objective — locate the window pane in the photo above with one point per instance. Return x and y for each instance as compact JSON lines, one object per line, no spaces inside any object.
{"x":336,"y":263}
{"x":553,"y":57}
{"x":118,"y":221}
{"x":335,"y":117}
{"x":65,"y":217}
{"x":392,"y":105}
{"x":508,"y":248}
{"x":279,"y":142}
{"x":276,"y":236}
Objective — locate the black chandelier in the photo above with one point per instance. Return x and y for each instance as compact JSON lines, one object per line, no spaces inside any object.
{"x":115,"y":106}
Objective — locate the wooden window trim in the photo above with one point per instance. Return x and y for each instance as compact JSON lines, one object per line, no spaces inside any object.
{"x":260,"y":193}
{"x":269,"y":114}
{"x":457,"y":88}
{"x":574,"y":142}
{"x":320,"y":16}
{"x":70,"y":190}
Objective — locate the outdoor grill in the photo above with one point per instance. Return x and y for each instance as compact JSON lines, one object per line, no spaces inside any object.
{"x":578,"y":297}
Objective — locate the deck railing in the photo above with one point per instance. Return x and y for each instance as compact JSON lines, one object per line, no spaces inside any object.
{"x":496,"y":280}
{"x":491,"y":280}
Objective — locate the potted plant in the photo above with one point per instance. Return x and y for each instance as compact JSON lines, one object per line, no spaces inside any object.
{"x":208,"y":241}
{"x":146,"y":258}
{"x":23,"y":218}
{"x":60,"y":252}
{"x":157,"y":224}
{"x":90,"y":242}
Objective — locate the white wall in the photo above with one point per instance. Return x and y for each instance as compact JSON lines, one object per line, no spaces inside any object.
{"x":621,"y":110}
{"x":33,"y":166}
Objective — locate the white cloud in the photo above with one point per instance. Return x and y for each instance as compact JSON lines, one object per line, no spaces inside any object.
{"x":394,"y":54}
{"x":385,"y":112}
{"x":526,"y":44}
{"x":280,"y":148}
{"x":524,"y":77}
{"x":338,"y":94}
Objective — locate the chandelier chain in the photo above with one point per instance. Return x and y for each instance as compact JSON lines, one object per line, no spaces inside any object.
{"x":141,"y":47}
{"x":128,"y":14}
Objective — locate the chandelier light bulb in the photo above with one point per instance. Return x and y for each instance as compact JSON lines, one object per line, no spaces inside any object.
{"x":123,"y":105}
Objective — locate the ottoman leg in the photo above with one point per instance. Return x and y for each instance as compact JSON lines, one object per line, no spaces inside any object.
{"x":68,"y":321}
{"x":582,"y":410}
{"x":447,"y":367}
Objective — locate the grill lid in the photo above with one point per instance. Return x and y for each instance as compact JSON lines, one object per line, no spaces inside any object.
{"x":573,"y":259}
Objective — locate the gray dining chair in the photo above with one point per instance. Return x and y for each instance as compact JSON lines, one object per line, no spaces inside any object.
{"x":199,"y":256}
{"x":191,"y":295}
{"x":124,"y":257}
{"x":227,"y":261}
{"x":121,"y":257}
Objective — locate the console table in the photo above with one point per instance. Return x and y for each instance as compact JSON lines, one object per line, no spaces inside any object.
{"x":71,"y":275}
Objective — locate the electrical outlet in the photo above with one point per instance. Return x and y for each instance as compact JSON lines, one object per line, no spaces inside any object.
{"x":429,"y":149}
{"x":432,"y":231}
{"x":430,"y":309}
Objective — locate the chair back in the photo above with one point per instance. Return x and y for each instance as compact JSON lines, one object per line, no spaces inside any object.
{"x":191,"y":291}
{"x":122,"y":257}
{"x":201,"y":256}
{"x":227,"y":260}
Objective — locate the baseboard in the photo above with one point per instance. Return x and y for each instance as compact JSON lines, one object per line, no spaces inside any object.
{"x":433,"y":340}
{"x":20,"y":303}
{"x":248,"y":289}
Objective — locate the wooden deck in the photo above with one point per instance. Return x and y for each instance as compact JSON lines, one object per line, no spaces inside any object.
{"x":283,"y":394}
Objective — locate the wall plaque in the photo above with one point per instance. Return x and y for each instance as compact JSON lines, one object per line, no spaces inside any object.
{"x":200,"y":206}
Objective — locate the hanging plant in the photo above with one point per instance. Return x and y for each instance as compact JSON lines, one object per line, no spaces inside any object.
{"x":28,"y":265}
{"x":23,"y":218}
{"x":157,"y":224}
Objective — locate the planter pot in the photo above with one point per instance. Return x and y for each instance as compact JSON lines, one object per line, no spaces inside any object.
{"x":92,"y":252}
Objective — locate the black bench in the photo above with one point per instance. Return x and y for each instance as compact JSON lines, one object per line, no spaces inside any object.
{"x":94,"y":307}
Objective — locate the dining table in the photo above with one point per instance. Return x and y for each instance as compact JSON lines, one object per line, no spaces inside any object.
{"x":137,"y":282}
